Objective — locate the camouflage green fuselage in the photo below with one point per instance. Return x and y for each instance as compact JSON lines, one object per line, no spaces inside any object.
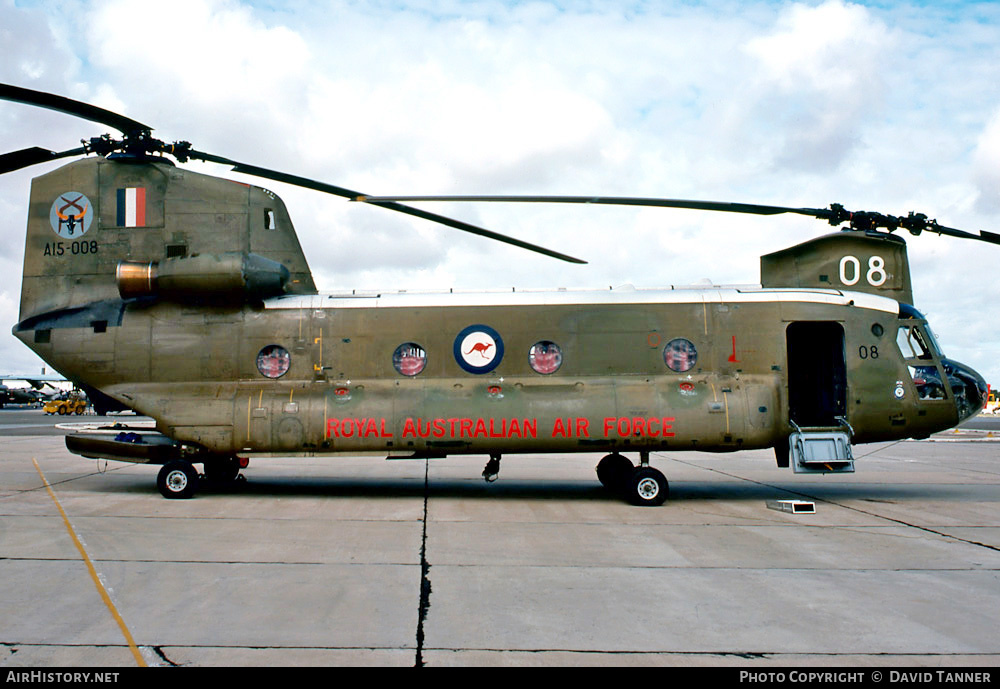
{"x":432,"y":374}
{"x":195,"y":370}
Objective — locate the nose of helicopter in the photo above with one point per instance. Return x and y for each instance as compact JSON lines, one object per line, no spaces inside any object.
{"x":968,"y":388}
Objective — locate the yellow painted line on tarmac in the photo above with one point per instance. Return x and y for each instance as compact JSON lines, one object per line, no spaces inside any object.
{"x":93,"y":572}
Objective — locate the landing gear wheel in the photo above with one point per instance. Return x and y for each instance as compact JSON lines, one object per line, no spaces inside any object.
{"x":177,"y":480}
{"x":222,"y":470}
{"x":646,"y":486}
{"x":613,"y":471}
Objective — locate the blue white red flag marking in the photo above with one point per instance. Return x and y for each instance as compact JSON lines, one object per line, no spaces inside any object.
{"x":132,"y":207}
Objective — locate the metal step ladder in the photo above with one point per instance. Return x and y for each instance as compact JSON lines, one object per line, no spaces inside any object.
{"x":822,"y":450}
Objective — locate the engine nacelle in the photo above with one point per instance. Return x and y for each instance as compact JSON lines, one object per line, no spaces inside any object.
{"x":228,"y":277}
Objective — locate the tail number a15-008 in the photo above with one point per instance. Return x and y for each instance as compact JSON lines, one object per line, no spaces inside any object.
{"x":86,"y":246}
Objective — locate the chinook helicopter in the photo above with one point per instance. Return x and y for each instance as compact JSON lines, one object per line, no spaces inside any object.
{"x":187,"y":298}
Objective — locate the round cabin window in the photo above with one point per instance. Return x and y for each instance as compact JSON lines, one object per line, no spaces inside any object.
{"x":545,"y":357}
{"x":273,"y":361}
{"x":680,"y":355}
{"x":409,"y":359}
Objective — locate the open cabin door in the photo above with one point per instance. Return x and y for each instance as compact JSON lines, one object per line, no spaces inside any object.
{"x":817,"y":397}
{"x":817,"y":373}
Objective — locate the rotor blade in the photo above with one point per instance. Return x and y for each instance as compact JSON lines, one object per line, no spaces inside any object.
{"x":618,"y":201}
{"x":354,"y":195}
{"x":835,"y":214}
{"x":983,"y":236}
{"x":32,"y":156}
{"x":989,"y":237}
{"x":71,"y":107}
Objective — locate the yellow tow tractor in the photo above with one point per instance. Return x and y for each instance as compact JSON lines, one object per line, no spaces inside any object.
{"x":74,"y":403}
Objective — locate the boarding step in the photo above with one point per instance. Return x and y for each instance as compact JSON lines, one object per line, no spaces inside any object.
{"x":821,"y":451}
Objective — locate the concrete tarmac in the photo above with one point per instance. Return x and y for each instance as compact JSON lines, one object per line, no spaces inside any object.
{"x":362,"y":561}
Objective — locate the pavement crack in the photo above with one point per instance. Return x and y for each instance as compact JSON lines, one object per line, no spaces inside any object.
{"x":425,"y":568}
{"x":158,"y":650}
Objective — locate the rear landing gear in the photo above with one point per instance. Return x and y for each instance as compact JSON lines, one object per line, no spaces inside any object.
{"x":177,"y":480}
{"x":223,"y":470}
{"x":639,"y":485}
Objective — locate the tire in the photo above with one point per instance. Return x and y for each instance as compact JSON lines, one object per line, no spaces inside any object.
{"x":613,"y":470}
{"x":646,"y":487}
{"x":222,"y":470}
{"x":177,"y":480}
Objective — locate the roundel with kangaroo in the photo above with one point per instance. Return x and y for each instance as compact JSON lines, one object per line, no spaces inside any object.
{"x":478,"y":349}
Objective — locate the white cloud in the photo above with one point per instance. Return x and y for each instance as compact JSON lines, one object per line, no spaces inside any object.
{"x":986,"y":166}
{"x":820,"y":76}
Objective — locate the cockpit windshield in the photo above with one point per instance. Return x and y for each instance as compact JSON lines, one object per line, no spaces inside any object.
{"x":919,"y":347}
{"x":914,"y":343}
{"x":915,"y":339}
{"x":932,"y":341}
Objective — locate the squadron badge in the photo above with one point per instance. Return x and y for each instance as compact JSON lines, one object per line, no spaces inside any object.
{"x":71,"y":215}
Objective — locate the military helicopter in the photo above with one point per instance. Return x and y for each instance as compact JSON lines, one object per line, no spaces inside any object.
{"x":187,"y":298}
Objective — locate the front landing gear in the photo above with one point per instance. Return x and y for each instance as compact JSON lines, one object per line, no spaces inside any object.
{"x":646,"y":486}
{"x":639,"y":485}
{"x":613,"y":471}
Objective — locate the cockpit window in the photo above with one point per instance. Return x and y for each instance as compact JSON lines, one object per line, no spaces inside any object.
{"x":917,"y":344}
{"x":928,"y":382}
{"x":912,"y":343}
{"x":932,"y":341}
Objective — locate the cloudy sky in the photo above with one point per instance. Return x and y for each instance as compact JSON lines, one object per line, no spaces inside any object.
{"x":880,"y":106}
